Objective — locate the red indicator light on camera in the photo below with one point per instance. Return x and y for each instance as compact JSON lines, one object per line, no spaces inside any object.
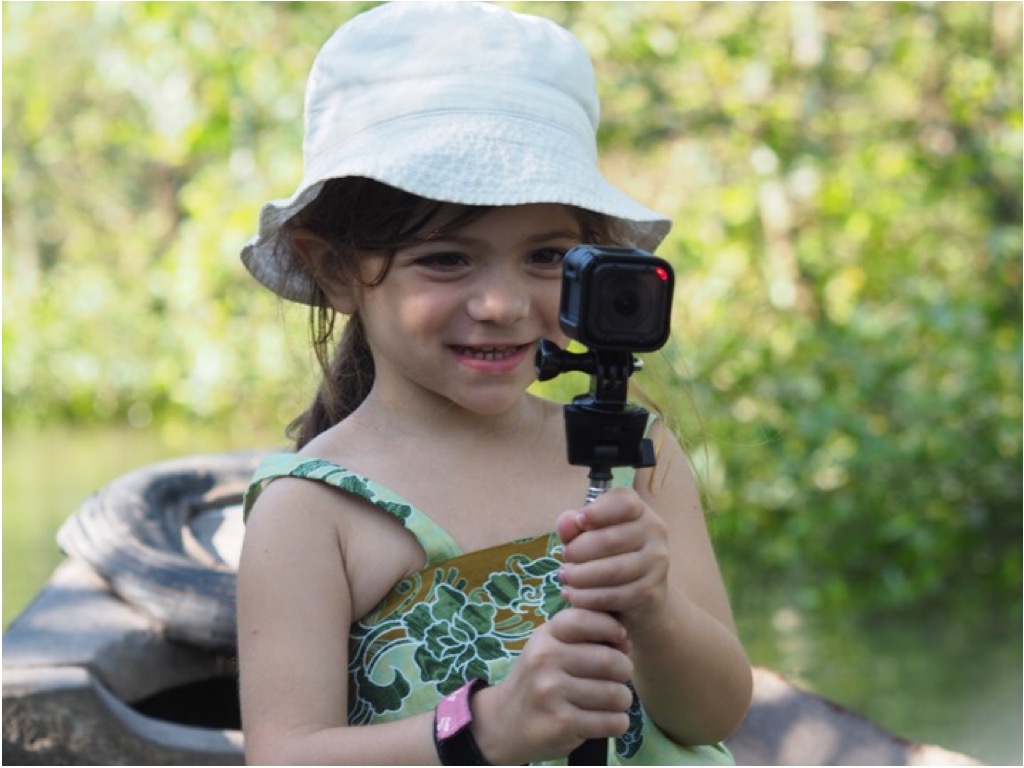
{"x":661,"y":272}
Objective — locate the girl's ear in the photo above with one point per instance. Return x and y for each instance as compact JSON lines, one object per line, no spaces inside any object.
{"x":322,"y":261}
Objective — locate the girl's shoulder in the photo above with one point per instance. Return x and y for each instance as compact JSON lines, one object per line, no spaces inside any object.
{"x":315,"y":507}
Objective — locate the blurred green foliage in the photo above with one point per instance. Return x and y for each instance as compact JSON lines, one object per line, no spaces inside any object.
{"x":845,"y":181}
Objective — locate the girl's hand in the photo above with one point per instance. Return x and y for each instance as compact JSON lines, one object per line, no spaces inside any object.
{"x":616,"y":558}
{"x":568,"y":685}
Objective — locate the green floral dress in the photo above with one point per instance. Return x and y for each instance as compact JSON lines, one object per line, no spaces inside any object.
{"x":464,"y":615}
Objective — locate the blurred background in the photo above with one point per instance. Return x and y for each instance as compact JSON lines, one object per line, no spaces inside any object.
{"x":845,"y":181}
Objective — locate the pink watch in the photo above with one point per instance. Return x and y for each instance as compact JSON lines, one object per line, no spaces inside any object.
{"x":453,"y":735}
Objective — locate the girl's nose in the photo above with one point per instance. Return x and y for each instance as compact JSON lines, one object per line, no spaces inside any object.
{"x":501,"y":299}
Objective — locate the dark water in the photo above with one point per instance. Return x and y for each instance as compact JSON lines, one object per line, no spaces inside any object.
{"x":951,"y":678}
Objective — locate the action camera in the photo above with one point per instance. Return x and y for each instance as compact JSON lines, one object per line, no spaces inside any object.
{"x":616,"y":299}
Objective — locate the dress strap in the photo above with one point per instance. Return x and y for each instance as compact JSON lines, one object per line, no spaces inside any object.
{"x":436,"y":541}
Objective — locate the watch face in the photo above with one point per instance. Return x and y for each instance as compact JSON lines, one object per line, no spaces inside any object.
{"x":453,"y":713}
{"x":452,"y":736}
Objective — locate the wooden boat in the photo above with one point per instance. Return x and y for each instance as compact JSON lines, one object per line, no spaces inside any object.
{"x":126,"y":656}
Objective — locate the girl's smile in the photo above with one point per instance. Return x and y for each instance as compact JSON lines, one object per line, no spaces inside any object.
{"x":492,"y":359}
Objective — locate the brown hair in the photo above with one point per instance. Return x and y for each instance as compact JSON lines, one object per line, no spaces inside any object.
{"x":353,"y":216}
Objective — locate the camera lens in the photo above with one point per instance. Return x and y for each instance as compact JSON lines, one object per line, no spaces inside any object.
{"x":627,"y":309}
{"x":626,"y":303}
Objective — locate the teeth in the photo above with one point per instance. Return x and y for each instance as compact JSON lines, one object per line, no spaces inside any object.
{"x":488,"y":353}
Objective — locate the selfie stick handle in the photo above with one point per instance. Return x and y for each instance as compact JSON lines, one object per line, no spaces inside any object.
{"x":590,"y":752}
{"x":593,"y":751}
{"x":602,"y":431}
{"x":597,"y":487}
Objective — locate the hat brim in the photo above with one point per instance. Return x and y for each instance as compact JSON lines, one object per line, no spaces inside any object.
{"x":468,"y":158}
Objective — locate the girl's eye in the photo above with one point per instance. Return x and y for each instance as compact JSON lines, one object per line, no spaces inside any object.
{"x":547,"y":257}
{"x":444,"y":261}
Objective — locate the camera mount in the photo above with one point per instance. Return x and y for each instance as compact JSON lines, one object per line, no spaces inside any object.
{"x":602,"y":429}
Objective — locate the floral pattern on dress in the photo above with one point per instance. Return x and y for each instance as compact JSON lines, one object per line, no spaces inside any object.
{"x":454,"y":627}
{"x":454,"y":639}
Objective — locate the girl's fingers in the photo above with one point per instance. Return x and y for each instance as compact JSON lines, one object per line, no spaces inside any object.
{"x":600,"y":664}
{"x":600,"y":697}
{"x":578,"y":626}
{"x":566,"y":526}
{"x":619,"y":505}
{"x":604,"y":542}
{"x":613,"y":571}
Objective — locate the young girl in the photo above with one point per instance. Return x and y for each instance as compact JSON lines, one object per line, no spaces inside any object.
{"x":419,"y":581}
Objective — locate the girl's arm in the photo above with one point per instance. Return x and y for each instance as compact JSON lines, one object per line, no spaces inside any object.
{"x":294,"y":612}
{"x":646,"y":556}
{"x":296,"y":601}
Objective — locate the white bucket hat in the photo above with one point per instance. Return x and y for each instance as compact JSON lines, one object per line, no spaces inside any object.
{"x":459,"y":102}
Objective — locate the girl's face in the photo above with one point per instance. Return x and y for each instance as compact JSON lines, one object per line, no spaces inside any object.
{"x":459,"y":316}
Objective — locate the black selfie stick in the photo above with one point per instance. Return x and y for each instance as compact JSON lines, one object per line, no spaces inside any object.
{"x":602,"y":430}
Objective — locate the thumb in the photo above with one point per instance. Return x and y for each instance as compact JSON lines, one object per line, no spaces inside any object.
{"x":567,"y":527}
